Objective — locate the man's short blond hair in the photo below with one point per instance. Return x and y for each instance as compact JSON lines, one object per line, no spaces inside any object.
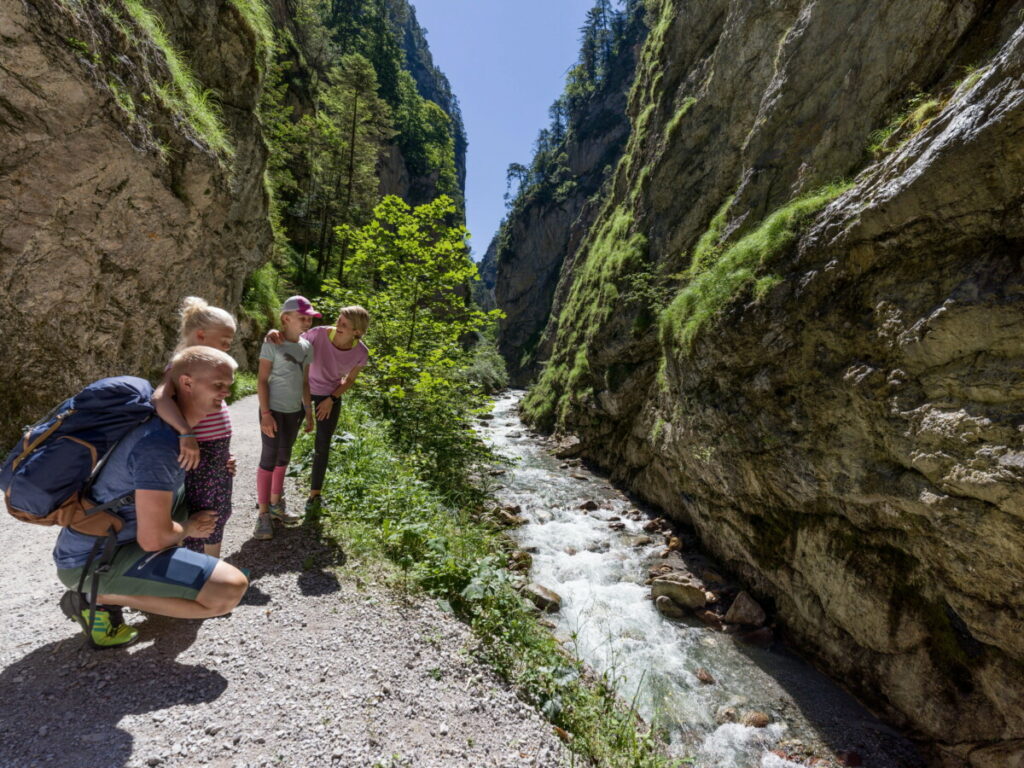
{"x":193,"y":359}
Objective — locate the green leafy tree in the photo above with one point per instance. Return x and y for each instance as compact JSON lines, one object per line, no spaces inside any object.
{"x":410,"y":268}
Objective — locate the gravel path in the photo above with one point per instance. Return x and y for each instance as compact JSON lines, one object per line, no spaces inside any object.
{"x":313,"y":668}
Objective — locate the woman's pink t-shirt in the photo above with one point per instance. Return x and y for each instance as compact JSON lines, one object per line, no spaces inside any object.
{"x":330,"y":364}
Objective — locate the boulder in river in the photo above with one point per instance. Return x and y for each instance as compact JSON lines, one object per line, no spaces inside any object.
{"x":745,"y":610}
{"x":545,"y":599}
{"x":668,"y":607}
{"x":568,"y":446}
{"x":705,"y":677}
{"x":756,"y":719}
{"x":681,"y":588}
{"x":589,"y":505}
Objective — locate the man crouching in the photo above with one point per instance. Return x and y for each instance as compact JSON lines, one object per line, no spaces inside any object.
{"x":148,"y":570}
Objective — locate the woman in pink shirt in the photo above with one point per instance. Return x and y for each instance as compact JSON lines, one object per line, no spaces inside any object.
{"x":338,"y":357}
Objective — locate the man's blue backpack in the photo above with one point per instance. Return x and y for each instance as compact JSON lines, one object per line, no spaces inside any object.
{"x":47,"y":477}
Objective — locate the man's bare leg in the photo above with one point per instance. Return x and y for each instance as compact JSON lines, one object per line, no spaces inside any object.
{"x":221,"y":593}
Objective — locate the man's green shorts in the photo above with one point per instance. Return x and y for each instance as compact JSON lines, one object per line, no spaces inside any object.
{"x":174,"y":572}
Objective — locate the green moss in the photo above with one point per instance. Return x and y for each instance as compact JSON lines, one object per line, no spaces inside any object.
{"x":123,"y":99}
{"x":718,"y":275}
{"x":677,"y":118}
{"x":257,"y":18}
{"x":183,"y":94}
{"x":708,"y":245}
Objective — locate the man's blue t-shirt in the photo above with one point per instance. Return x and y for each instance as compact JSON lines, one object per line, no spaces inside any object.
{"x":145,"y":459}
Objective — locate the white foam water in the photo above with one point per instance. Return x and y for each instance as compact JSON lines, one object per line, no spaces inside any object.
{"x":607,"y":618}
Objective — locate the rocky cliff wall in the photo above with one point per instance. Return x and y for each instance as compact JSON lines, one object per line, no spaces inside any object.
{"x":545,"y":227}
{"x":825,"y":382}
{"x":118,"y":196}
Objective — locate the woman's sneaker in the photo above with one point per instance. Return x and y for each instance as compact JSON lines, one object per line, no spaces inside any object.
{"x":108,"y":628}
{"x":264,"y":528}
{"x":280,"y":513}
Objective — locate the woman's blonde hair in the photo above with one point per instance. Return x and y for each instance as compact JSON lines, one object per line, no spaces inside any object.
{"x":197,"y":315}
{"x":356,"y":315}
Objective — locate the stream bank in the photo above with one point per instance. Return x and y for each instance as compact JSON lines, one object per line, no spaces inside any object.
{"x":589,"y":545}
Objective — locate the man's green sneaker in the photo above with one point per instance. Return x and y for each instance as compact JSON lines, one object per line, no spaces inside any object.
{"x":108,"y":628}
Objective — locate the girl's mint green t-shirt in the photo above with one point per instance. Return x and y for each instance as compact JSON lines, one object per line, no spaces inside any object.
{"x":290,"y":359}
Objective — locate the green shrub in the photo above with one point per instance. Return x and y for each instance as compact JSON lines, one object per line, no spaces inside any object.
{"x":487,"y":368}
{"x":719,"y":274}
{"x":243,"y":386}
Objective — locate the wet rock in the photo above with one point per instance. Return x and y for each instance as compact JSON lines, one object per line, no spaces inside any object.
{"x":570,"y":551}
{"x":705,"y":677}
{"x":497,"y":472}
{"x":504,"y":516}
{"x":578,"y":476}
{"x":589,"y":505}
{"x":617,"y":526}
{"x":681,"y":588}
{"x":654,"y":525}
{"x":568,"y":446}
{"x":745,"y":610}
{"x":667,"y":607}
{"x":514,"y":435}
{"x":485,"y":416}
{"x":545,"y":599}
{"x":711,"y":575}
{"x":756,"y":719}
{"x":762,"y":638}
{"x":709,"y":618}
{"x":710,"y":597}
{"x":674,"y":543}
{"x":642,"y":541}
{"x":726,"y":715}
{"x":850,"y":758}
{"x":614,"y":519}
{"x":520,"y":561}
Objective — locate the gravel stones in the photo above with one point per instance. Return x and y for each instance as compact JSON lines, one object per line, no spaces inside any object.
{"x":314,"y":665}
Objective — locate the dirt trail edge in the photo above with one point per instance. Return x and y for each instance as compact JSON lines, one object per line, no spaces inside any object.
{"x":310,"y":670}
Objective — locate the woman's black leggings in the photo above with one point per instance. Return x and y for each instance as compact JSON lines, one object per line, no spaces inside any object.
{"x":324,"y":433}
{"x":277,"y":450}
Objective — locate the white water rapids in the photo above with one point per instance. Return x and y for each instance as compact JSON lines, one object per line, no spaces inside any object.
{"x":608,"y":620}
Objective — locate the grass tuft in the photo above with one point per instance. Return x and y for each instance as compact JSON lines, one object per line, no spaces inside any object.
{"x":719,"y":274}
{"x":183,"y":95}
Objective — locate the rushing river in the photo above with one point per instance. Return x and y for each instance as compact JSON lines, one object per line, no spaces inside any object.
{"x":608,"y":620}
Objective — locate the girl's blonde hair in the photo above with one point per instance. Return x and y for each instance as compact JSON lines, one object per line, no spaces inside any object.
{"x":356,"y":315}
{"x":197,"y":315}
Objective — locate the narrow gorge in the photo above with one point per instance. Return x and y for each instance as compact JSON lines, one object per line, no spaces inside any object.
{"x":791,"y":316}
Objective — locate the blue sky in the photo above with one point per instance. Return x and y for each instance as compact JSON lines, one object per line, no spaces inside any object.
{"x":506,"y":60}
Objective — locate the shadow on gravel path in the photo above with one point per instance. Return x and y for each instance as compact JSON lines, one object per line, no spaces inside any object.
{"x":63,"y":702}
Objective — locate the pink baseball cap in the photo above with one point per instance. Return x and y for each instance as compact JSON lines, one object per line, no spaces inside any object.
{"x":299,"y":304}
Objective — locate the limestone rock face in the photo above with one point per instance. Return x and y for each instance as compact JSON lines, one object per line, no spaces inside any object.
{"x":113,"y":205}
{"x":850,"y":439}
{"x":532,"y":247}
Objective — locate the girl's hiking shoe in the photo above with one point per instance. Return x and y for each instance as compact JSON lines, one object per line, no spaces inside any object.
{"x":280,"y":513}
{"x":314,"y":505}
{"x":108,"y":628}
{"x":264,"y":528}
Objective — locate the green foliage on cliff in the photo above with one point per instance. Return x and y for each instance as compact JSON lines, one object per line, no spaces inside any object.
{"x":615,"y":252}
{"x":183,"y":94}
{"x":718,"y":274}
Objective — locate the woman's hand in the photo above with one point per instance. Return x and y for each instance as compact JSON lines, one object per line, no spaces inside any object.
{"x":274,"y":336}
{"x":267,"y":424}
{"x":188,"y":452}
{"x":323,"y":410}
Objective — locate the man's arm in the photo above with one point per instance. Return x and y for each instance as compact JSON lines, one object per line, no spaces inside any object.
{"x":168,"y":410}
{"x":157,"y":531}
